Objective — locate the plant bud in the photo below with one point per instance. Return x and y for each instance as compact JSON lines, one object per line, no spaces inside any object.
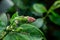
{"x":31,"y":19}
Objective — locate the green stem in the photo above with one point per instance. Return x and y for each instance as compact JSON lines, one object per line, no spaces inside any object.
{"x":51,"y":8}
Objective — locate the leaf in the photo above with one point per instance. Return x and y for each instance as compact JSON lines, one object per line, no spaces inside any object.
{"x":35,"y":34}
{"x":26,"y":34}
{"x":2,"y":34}
{"x":5,"y":5}
{"x":3,"y":24}
{"x":44,"y":28}
{"x":20,"y":36}
{"x":39,"y":8}
{"x":9,"y":37}
{"x":54,"y":6}
{"x":38,"y":23}
{"x":13,"y":16}
{"x":28,"y":28}
{"x":57,"y":4}
{"x":19,"y":4}
{"x":16,"y":36}
{"x":2,"y":28}
{"x":55,"y":18}
{"x":3,"y":18}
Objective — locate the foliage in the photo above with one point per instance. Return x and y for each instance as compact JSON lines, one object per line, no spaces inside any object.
{"x":29,"y":21}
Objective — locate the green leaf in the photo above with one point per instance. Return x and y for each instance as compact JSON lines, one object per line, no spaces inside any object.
{"x":16,"y":36}
{"x":13,"y":16}
{"x":35,"y":34}
{"x":28,"y":28}
{"x":2,"y":34}
{"x":54,"y":6}
{"x":38,"y":23}
{"x":19,"y":4}
{"x":44,"y":28}
{"x":2,"y":26}
{"x":39,"y":8}
{"x":10,"y":36}
{"x":20,"y":36}
{"x":55,"y":18}
{"x":26,"y":33}
{"x":3,"y":18}
{"x":57,"y":4}
{"x":5,"y":5}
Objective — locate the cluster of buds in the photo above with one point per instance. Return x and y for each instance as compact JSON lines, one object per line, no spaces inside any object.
{"x":24,"y":18}
{"x":17,"y":21}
